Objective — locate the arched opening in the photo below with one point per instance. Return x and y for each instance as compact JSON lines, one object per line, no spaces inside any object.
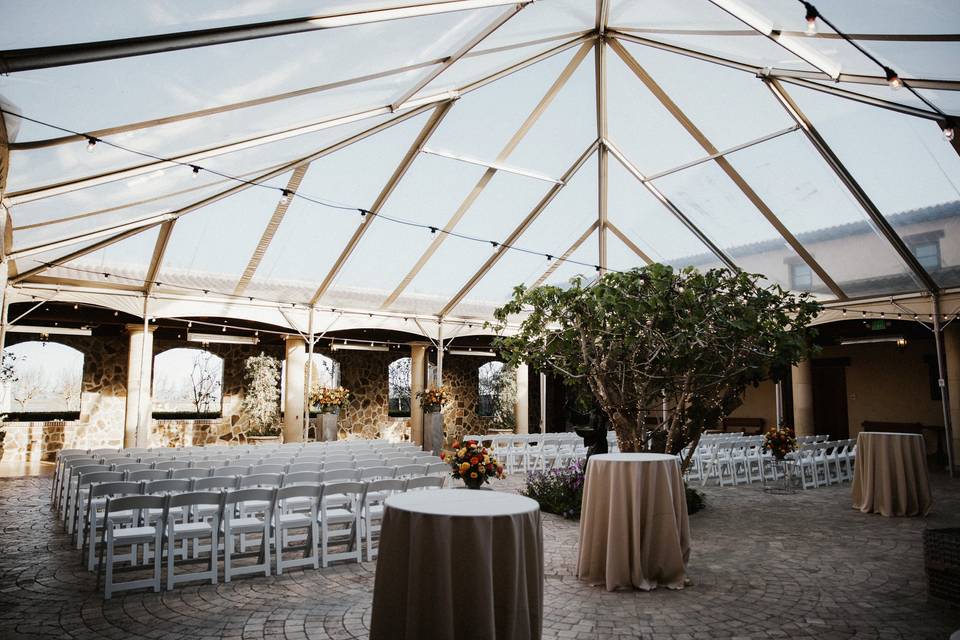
{"x":41,"y":381}
{"x":187,"y":383}
{"x":497,"y":393}
{"x":398,"y":388}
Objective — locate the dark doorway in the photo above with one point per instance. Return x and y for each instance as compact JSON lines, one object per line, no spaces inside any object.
{"x":830,"y":398}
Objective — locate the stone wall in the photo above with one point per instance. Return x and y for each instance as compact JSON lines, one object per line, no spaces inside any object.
{"x":461,"y":375}
{"x":364,"y":373}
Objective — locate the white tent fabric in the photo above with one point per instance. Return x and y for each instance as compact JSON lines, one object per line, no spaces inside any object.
{"x":415,"y":159}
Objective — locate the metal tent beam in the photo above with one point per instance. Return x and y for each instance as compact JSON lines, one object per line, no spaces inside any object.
{"x":367,"y":221}
{"x":432,"y":74}
{"x":600,"y":82}
{"x":228,"y":192}
{"x":488,"y":175}
{"x":270,"y":231}
{"x":615,"y":230}
{"x":518,"y":231}
{"x":859,"y":194}
{"x":727,"y":168}
{"x":15,"y":60}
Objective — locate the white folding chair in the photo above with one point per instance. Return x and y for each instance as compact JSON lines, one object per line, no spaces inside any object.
{"x":297,"y":507}
{"x":372,"y":511}
{"x":243,"y":526}
{"x":340,"y":522}
{"x":117,"y":513}
{"x":191,"y":527}
{"x":94,"y":514}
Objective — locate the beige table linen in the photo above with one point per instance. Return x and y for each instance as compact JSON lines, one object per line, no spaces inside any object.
{"x":634,"y":531}
{"x":890,"y":476}
{"x":458,"y":564}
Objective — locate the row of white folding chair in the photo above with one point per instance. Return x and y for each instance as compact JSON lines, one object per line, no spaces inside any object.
{"x":532,"y":451}
{"x":263,"y":511}
{"x":824,"y":463}
{"x":704,"y":465}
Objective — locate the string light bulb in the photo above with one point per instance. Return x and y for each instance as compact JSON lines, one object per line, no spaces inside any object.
{"x":196,"y":170}
{"x":893,"y":80}
{"x":811,"y":18}
{"x":949,"y":127}
{"x":91,"y":144}
{"x":284,"y":197}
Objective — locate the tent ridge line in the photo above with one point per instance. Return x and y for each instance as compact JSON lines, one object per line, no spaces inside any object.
{"x":539,"y":109}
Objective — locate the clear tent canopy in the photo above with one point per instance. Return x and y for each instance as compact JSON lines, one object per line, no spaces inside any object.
{"x":379,"y":161}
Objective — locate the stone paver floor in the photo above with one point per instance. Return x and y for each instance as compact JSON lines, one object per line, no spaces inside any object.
{"x":762,"y":566}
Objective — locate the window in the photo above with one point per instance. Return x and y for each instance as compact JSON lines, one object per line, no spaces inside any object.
{"x":325,"y":372}
{"x":488,"y":384}
{"x":46,"y":378}
{"x":801,"y":277}
{"x":398,"y":388}
{"x":187,"y":381}
{"x":927,"y":254}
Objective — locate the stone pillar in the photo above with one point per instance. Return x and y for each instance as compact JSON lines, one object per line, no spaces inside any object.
{"x":418,"y":374}
{"x":803,"y":399}
{"x":136,"y":422}
{"x":295,"y":368}
{"x":522,"y":407}
{"x":951,"y":348}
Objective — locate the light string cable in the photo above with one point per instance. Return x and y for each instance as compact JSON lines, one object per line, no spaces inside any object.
{"x":893,"y":79}
{"x":287,"y":194}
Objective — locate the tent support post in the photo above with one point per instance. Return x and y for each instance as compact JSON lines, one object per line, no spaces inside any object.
{"x":942,"y":381}
{"x":309,"y":385}
{"x":543,"y":402}
{"x":143,"y":358}
{"x":440,"y":353}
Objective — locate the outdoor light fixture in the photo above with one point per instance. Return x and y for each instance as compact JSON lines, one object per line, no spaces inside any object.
{"x":221,"y":338}
{"x":358,"y":347}
{"x":50,"y":331}
{"x":900,"y":341}
{"x":463,"y":352}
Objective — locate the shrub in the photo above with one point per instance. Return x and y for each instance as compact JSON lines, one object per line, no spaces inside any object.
{"x":696,"y":501}
{"x":558,"y":491}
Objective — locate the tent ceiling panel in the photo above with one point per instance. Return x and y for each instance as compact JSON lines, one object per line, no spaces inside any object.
{"x":494,"y":214}
{"x":866,"y":16}
{"x":920,"y":59}
{"x":560,"y":224}
{"x":948,"y":101}
{"x":739,"y":109}
{"x":919,"y":175}
{"x":655,"y":142}
{"x":543,"y":20}
{"x":751,"y":49}
{"x":389,"y":249}
{"x":311,"y":236}
{"x":126,"y":260}
{"x":718,"y":208}
{"x":647,"y":223}
{"x":86,"y":97}
{"x":813,"y":204}
{"x":217,"y":241}
{"x":483,"y":121}
{"x":665,"y":14}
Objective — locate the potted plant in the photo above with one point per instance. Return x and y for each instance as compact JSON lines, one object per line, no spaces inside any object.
{"x":329,"y":401}
{"x":432,"y":400}
{"x":261,"y":399}
{"x":474,"y":464}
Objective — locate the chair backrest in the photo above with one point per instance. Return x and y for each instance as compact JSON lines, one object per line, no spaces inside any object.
{"x":193,"y":498}
{"x":103,"y":452}
{"x":230,"y":471}
{"x":215,"y":482}
{"x":340,"y":474}
{"x":411,"y":470}
{"x":181,"y":485}
{"x":366,"y":464}
{"x":257,"y":494}
{"x":385,"y":485}
{"x":338,"y":465}
{"x":99,"y":476}
{"x":352,"y":489}
{"x":261,"y":480}
{"x":190,"y":473}
{"x":132,"y":503}
{"x":302,"y":477}
{"x":427,"y":459}
{"x":131,"y":466}
{"x":371,"y":473}
{"x":298,"y":467}
{"x":148,"y":474}
{"x":172,"y":464}
{"x":397,"y":461}
{"x":267,"y":468}
{"x":337,"y":457}
{"x":121,"y":488}
{"x":204,"y":464}
{"x":300,"y":491}
{"x":81,"y":469}
{"x":437,"y":468}
{"x":424,"y":482}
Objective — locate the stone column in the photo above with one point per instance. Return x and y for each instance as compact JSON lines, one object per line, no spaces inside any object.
{"x":418,"y":374}
{"x":295,"y":368}
{"x":951,"y":348}
{"x":803,"y":399}
{"x":136,"y":422}
{"x":522,"y":407}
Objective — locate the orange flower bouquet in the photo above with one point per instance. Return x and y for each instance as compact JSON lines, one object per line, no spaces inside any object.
{"x":473,"y":463}
{"x":432,"y":399}
{"x":779,"y":442}
{"x":329,"y":399}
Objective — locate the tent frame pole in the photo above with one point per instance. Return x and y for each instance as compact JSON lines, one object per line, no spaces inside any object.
{"x":942,"y":381}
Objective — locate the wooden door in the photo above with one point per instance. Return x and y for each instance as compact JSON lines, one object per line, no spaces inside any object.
{"x":830,"y":400}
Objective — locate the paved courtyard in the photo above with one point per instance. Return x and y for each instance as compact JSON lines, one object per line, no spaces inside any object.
{"x":762,"y":566}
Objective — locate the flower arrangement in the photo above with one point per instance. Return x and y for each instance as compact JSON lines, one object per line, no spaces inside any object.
{"x":329,"y":399}
{"x":433,"y":398}
{"x":559,"y":490}
{"x":779,"y":442}
{"x":473,"y":463}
